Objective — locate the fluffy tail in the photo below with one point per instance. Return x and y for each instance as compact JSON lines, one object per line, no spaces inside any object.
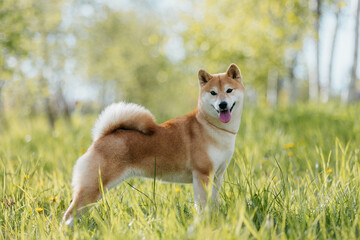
{"x":126,"y":116}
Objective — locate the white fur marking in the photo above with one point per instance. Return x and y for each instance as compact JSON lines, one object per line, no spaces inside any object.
{"x":80,"y":170}
{"x":115,"y":113}
{"x":220,"y":156}
{"x":129,"y":173}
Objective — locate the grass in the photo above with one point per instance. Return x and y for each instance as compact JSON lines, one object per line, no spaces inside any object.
{"x":294,"y":175}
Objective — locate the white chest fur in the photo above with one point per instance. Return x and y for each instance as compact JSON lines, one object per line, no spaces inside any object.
{"x":220,"y":154}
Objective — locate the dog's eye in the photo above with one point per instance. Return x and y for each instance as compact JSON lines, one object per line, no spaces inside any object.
{"x":213,"y":93}
{"x":229,"y":90}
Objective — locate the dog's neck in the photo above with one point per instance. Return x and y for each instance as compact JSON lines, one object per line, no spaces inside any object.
{"x":231,"y":127}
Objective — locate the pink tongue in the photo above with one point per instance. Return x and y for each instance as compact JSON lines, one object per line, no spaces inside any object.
{"x":225,"y":116}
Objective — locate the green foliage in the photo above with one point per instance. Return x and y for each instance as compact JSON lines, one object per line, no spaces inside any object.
{"x":13,"y":32}
{"x":295,"y":174}
{"x":33,"y":38}
{"x":124,"y":58}
{"x":260,"y":38}
{"x":124,"y":53}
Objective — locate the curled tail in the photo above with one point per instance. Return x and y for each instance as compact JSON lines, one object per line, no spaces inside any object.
{"x":123,"y":115}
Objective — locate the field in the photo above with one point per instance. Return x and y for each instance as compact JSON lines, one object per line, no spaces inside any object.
{"x":294,"y":175}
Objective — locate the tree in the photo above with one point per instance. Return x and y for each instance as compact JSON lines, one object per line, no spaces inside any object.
{"x":123,"y":57}
{"x":352,"y":86}
{"x":13,"y":30}
{"x":314,"y":79}
{"x":337,"y":5}
{"x":261,"y":38}
{"x":33,"y":35}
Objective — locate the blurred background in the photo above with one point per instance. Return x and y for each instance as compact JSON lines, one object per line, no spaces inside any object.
{"x":59,"y":58}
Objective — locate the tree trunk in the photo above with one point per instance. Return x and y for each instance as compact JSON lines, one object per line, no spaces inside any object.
{"x":272,"y":87}
{"x":50,"y":113}
{"x":328,"y":87}
{"x":314,"y":79}
{"x":352,"y":86}
{"x":315,"y":86}
{"x":293,"y":87}
{"x":2,"y":84}
{"x":47,"y":104}
{"x":64,"y":105}
{"x":103,"y":94}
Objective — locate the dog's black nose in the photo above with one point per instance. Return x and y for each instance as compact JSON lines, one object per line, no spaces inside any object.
{"x":223,"y":105}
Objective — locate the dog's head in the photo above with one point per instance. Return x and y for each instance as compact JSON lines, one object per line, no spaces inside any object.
{"x":221,"y":95}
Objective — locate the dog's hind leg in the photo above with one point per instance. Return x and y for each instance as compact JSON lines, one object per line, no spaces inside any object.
{"x":86,"y":184}
{"x":82,"y":197}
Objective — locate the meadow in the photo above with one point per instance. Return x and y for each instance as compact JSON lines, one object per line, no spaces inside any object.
{"x":294,"y":175}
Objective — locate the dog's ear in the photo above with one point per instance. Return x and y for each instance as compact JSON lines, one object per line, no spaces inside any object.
{"x":204,"y":77}
{"x":234,"y":72}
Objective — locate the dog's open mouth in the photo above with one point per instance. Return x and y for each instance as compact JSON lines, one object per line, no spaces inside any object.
{"x":225,"y":115}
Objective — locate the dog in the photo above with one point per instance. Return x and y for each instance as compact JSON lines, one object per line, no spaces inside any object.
{"x":194,"y":148}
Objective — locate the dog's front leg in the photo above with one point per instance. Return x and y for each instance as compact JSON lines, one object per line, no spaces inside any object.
{"x":200,"y":183}
{"x":218,"y":179}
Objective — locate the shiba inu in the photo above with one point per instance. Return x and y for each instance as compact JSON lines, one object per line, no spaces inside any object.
{"x":194,"y":148}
